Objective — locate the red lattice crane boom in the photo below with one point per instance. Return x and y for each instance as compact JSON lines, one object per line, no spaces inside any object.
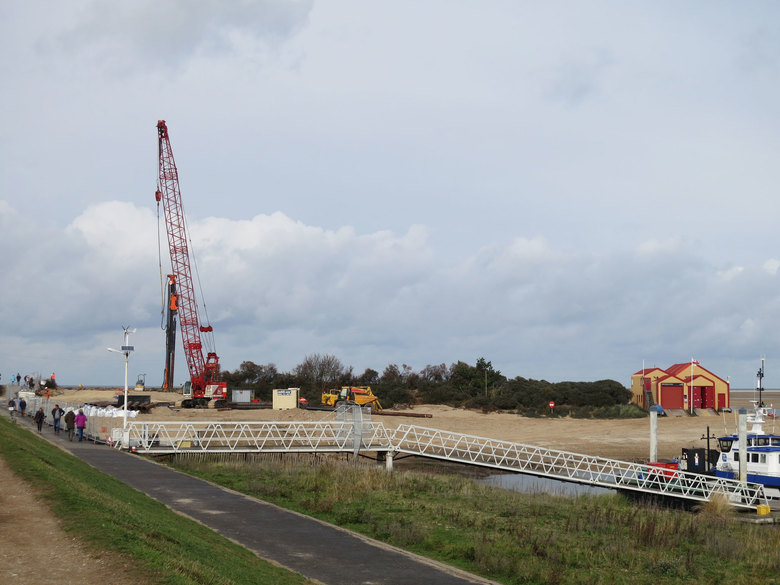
{"x":204,"y":372}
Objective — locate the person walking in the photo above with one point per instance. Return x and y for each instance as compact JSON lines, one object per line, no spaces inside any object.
{"x":70,"y":423}
{"x":56,"y":417}
{"x":18,"y":379}
{"x":22,"y":405}
{"x":38,"y":418}
{"x":81,"y":422}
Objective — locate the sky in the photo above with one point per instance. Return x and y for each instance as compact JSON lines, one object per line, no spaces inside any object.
{"x":567,"y":189}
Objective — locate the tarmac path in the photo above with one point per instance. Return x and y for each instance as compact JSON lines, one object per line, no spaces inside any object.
{"x":320,"y":551}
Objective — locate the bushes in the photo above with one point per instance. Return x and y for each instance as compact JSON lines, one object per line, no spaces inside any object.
{"x":601,"y":412}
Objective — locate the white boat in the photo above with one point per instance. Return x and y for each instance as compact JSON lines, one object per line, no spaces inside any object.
{"x":763,"y":453}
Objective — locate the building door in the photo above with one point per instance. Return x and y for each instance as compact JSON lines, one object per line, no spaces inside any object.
{"x":708,"y":397}
{"x":696,"y":392}
{"x":671,"y":396}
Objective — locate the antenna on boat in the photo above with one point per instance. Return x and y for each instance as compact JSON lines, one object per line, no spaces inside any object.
{"x":759,"y":381}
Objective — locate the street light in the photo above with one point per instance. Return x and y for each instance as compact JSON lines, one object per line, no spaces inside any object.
{"x":126,"y":349}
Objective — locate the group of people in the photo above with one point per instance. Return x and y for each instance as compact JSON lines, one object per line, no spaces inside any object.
{"x":29,"y":381}
{"x":75,"y":422}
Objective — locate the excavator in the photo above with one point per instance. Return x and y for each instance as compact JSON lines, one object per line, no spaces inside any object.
{"x":204,"y":388}
{"x":361,"y":395}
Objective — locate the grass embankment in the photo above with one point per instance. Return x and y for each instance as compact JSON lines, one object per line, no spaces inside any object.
{"x":511,"y":537}
{"x":161,"y":546}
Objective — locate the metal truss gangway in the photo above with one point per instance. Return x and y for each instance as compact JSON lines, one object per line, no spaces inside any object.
{"x":573,"y":467}
{"x":364,"y":435}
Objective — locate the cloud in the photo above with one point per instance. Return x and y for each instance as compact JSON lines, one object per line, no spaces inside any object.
{"x":278,"y":289}
{"x":563,"y":196}
{"x":653,"y":247}
{"x":771,"y":266}
{"x":579,"y":79}
{"x":151,"y":33}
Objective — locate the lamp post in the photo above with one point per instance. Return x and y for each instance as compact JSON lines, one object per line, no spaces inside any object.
{"x":759,"y":382}
{"x":708,"y":436}
{"x":690,"y":390}
{"x":127,"y":349}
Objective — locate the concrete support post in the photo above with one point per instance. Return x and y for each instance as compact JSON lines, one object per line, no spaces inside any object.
{"x":389,"y":461}
{"x":743,"y":454}
{"x":654,"y":432}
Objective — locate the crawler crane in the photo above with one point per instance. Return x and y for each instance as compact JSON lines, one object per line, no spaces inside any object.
{"x":204,"y":387}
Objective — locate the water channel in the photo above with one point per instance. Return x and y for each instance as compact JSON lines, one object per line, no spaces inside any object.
{"x":531,"y":484}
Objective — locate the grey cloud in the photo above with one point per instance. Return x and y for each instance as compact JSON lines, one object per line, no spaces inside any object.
{"x":154,"y":33}
{"x":760,"y":51}
{"x":577,"y":80}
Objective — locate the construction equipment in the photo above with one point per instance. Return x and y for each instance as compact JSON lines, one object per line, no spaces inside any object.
{"x":361,"y":395}
{"x":204,"y":387}
{"x":171,"y":312}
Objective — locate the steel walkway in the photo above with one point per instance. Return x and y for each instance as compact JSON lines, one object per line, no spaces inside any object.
{"x":358,"y":435}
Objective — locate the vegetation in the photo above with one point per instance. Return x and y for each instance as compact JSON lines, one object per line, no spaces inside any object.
{"x":163,"y":547}
{"x":510,"y":537}
{"x":479,"y":386}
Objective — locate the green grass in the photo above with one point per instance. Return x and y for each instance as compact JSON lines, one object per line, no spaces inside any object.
{"x":506,"y":536}
{"x":161,"y":546}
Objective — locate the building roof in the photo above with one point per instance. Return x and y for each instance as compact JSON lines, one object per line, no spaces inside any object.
{"x":647,"y":371}
{"x":678,"y":369}
{"x":682,"y":372}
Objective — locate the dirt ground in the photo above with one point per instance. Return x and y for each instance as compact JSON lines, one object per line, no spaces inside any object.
{"x":36,"y":550}
{"x":32,"y":527}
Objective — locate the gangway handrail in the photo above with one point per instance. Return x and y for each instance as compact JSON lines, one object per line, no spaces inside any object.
{"x":346,"y":436}
{"x":253,"y":436}
{"x":573,"y":467}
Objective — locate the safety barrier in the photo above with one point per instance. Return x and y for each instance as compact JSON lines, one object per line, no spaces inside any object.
{"x":104,"y":424}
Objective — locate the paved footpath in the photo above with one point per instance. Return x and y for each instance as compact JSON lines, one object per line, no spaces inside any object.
{"x":319,"y":551}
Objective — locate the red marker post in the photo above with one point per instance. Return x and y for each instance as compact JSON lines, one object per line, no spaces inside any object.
{"x":552,"y":405}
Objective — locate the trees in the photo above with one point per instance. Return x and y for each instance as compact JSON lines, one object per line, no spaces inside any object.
{"x":368,"y":378}
{"x":249,"y":375}
{"x":317,"y":372}
{"x":460,"y":384}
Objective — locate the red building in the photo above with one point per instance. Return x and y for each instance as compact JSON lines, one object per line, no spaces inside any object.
{"x":680,"y":386}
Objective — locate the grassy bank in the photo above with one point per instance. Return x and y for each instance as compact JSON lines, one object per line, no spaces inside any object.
{"x":506,"y":536}
{"x":161,"y":546}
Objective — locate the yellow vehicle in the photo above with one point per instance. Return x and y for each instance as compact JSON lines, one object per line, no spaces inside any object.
{"x":361,"y":395}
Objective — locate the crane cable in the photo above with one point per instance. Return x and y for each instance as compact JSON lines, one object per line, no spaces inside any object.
{"x":210,"y":346}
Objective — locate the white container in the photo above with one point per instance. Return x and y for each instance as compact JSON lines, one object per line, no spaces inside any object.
{"x":285,"y":399}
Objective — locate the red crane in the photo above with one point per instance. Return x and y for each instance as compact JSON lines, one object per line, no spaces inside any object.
{"x":204,"y":382}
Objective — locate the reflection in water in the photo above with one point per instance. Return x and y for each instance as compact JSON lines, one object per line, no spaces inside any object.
{"x":530,"y":484}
